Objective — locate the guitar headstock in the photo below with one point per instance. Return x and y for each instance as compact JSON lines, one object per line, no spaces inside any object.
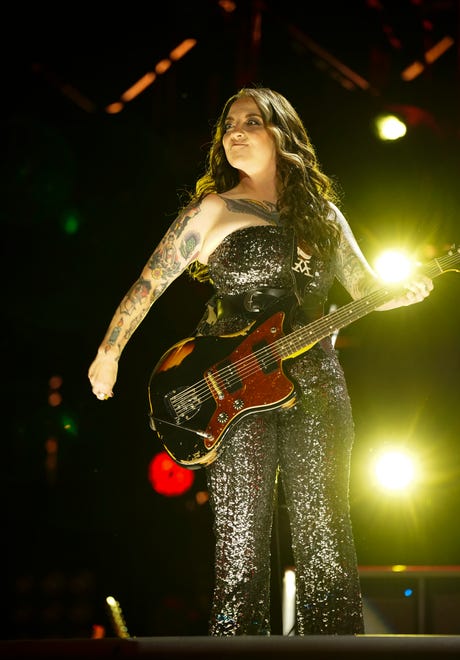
{"x":450,"y":261}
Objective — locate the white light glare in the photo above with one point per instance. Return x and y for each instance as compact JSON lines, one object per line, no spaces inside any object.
{"x":395,"y":470}
{"x":393,"y":266}
{"x":390,"y":127}
{"x":288,"y":601}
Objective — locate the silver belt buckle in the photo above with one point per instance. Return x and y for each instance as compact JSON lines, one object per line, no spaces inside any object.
{"x":248,"y":302}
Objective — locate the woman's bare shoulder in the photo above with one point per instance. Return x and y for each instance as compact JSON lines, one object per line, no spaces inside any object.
{"x":212,"y":201}
{"x":199,"y":214}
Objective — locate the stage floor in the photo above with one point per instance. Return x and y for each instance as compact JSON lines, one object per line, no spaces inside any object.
{"x":322,"y":647}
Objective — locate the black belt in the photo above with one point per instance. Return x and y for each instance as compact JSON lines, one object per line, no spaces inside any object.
{"x":249,"y":302}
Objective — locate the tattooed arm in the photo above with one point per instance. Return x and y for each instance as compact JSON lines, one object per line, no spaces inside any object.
{"x":356,"y":275}
{"x":178,"y":248}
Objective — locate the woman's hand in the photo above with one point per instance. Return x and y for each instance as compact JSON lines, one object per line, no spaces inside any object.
{"x":103,"y":375}
{"x":415,"y":291}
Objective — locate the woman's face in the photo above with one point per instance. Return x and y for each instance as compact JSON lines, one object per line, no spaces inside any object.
{"x":248,"y":145}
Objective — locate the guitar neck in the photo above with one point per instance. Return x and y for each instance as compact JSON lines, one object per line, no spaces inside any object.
{"x":302,"y":339}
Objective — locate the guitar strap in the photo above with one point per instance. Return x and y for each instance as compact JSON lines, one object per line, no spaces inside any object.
{"x":310,"y":306}
{"x":295,"y":274}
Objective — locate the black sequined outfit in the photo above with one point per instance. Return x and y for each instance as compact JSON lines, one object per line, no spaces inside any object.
{"x":309,"y":444}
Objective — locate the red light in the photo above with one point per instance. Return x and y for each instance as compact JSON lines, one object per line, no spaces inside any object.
{"x":167,"y":477}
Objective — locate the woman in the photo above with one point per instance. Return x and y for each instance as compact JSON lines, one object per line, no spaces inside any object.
{"x":261,"y":225}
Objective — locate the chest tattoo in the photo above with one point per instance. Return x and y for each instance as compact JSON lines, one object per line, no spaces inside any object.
{"x":264,"y":210}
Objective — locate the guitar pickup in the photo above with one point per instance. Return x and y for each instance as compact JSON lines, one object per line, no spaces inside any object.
{"x":265,"y":357}
{"x":228,"y":376}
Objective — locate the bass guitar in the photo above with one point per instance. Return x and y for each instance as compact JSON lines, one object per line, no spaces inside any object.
{"x":202,"y":386}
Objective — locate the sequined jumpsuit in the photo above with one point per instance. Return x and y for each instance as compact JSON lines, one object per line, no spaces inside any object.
{"x":307,"y":445}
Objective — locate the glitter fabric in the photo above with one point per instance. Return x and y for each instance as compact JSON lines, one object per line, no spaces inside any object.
{"x":307,"y":446}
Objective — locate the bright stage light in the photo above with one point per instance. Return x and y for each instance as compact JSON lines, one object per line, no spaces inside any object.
{"x":390,"y":127}
{"x":395,"y":470}
{"x":288,"y":601}
{"x":393,"y":266}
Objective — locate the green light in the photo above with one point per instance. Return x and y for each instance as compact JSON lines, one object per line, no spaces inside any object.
{"x":69,"y":425}
{"x":71,"y":224}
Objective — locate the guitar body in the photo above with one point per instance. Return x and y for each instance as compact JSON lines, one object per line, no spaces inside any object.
{"x":245,"y":377}
{"x":202,"y":386}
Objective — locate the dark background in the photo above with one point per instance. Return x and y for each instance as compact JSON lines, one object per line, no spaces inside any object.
{"x":91,"y":525}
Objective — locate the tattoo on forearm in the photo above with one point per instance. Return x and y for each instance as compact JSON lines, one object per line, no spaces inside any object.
{"x":137,"y":294}
{"x":134,"y":323}
{"x":354,"y":274}
{"x":112,"y":340}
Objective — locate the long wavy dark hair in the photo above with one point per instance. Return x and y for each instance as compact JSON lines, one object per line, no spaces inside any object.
{"x":304,"y":191}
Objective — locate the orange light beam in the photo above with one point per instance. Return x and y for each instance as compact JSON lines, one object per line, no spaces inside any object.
{"x":431,"y":55}
{"x":358,"y":80}
{"x":182,"y":49}
{"x":149,"y":78}
{"x":139,"y":86}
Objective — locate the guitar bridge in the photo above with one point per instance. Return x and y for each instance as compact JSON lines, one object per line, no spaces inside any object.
{"x":183,"y":404}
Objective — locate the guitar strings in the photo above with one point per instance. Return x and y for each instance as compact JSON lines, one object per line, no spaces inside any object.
{"x":243,"y":367}
{"x":288,"y":345}
{"x":285,"y":346}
